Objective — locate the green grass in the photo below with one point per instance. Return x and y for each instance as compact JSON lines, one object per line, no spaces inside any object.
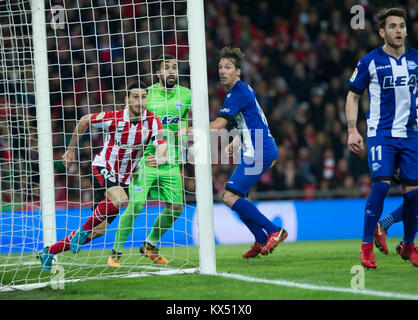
{"x":322,"y":263}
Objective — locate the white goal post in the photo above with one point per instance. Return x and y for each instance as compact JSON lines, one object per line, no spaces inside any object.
{"x":24,"y":33}
{"x":43,"y":117}
{"x":199,"y":84}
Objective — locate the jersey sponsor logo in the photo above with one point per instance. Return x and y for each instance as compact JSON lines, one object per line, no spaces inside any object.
{"x":390,"y":82}
{"x":170,"y":119}
{"x":411,"y":65}
{"x":137,"y":189}
{"x":130,"y":146}
{"x":383,"y":67}
{"x":225,"y":110}
{"x":354,"y":75}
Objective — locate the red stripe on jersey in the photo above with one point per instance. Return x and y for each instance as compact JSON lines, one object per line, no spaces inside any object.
{"x":122,"y":151}
{"x":157,"y":132}
{"x":138,"y":140}
{"x":98,"y":175}
{"x":110,"y":146}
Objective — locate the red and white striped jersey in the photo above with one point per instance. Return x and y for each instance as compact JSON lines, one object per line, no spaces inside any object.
{"x":125,"y":141}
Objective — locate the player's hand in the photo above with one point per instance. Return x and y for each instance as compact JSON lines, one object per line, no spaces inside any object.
{"x":153,"y":161}
{"x":185,"y":131}
{"x":68,"y":158}
{"x":229,"y":150}
{"x":233,"y":148}
{"x":182,"y":131}
{"x":355,"y":142}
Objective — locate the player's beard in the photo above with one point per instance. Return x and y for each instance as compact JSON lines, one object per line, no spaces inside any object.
{"x":136,"y":111}
{"x":169,"y":83}
{"x":396,"y":45}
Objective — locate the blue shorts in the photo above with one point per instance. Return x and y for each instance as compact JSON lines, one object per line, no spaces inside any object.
{"x":249,"y":171}
{"x":386,"y":155}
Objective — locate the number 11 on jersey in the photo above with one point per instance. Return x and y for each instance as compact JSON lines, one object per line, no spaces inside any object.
{"x":376,"y":150}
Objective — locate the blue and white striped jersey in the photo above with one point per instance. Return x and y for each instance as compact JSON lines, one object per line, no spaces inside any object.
{"x":241,"y":105}
{"x":392,"y":89}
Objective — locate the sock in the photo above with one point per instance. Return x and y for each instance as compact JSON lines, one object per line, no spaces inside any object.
{"x":126,"y":223}
{"x":103,"y":210}
{"x":64,"y":244}
{"x":163,"y":222}
{"x":409,"y":217}
{"x":247,"y":210}
{"x":259,"y":234}
{"x":393,"y":217}
{"x":374,"y":208}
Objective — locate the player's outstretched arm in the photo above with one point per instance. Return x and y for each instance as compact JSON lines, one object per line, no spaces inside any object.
{"x":81,"y":127}
{"x":355,"y":141}
{"x":215,"y":125}
{"x":218,"y":124}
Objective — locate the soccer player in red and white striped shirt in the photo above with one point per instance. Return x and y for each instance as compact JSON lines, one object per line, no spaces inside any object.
{"x":128,"y":132}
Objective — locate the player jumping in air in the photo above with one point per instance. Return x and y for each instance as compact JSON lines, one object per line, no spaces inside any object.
{"x":171,"y":103}
{"x":258,"y":152}
{"x":128,"y":132}
{"x":390,"y":75}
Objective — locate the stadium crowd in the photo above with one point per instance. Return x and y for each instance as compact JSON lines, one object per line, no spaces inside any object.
{"x":300,"y":55}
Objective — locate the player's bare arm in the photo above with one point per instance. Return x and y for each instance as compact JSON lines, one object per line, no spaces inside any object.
{"x":355,"y":141}
{"x":218,"y":124}
{"x":214,"y":126}
{"x":81,"y":127}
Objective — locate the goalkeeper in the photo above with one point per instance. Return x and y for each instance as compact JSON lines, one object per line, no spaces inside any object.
{"x":171,"y":103}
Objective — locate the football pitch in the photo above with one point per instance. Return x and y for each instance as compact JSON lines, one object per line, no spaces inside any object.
{"x":319,"y":270}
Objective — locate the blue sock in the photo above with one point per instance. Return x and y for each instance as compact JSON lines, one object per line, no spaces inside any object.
{"x":393,"y":217}
{"x":409,"y":218}
{"x":374,"y":208}
{"x":258,"y":232}
{"x":247,"y":210}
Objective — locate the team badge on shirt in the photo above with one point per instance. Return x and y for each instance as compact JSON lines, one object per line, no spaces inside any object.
{"x":411,"y":65}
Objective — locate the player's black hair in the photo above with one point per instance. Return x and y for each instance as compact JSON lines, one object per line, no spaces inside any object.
{"x":382,"y":15}
{"x":136,"y":85}
{"x":233,"y":54}
{"x":161,"y":59}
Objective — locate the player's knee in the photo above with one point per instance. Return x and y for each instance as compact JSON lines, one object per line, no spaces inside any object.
{"x":411,"y":194}
{"x":118,"y":197}
{"x":175,"y":207}
{"x":408,"y":189}
{"x":137,"y":207}
{"x":229,"y":198}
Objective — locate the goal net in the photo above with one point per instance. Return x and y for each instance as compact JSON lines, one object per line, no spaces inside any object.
{"x":94,"y":50}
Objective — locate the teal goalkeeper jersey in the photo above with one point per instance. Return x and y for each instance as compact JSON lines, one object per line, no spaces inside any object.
{"x":172,"y":107}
